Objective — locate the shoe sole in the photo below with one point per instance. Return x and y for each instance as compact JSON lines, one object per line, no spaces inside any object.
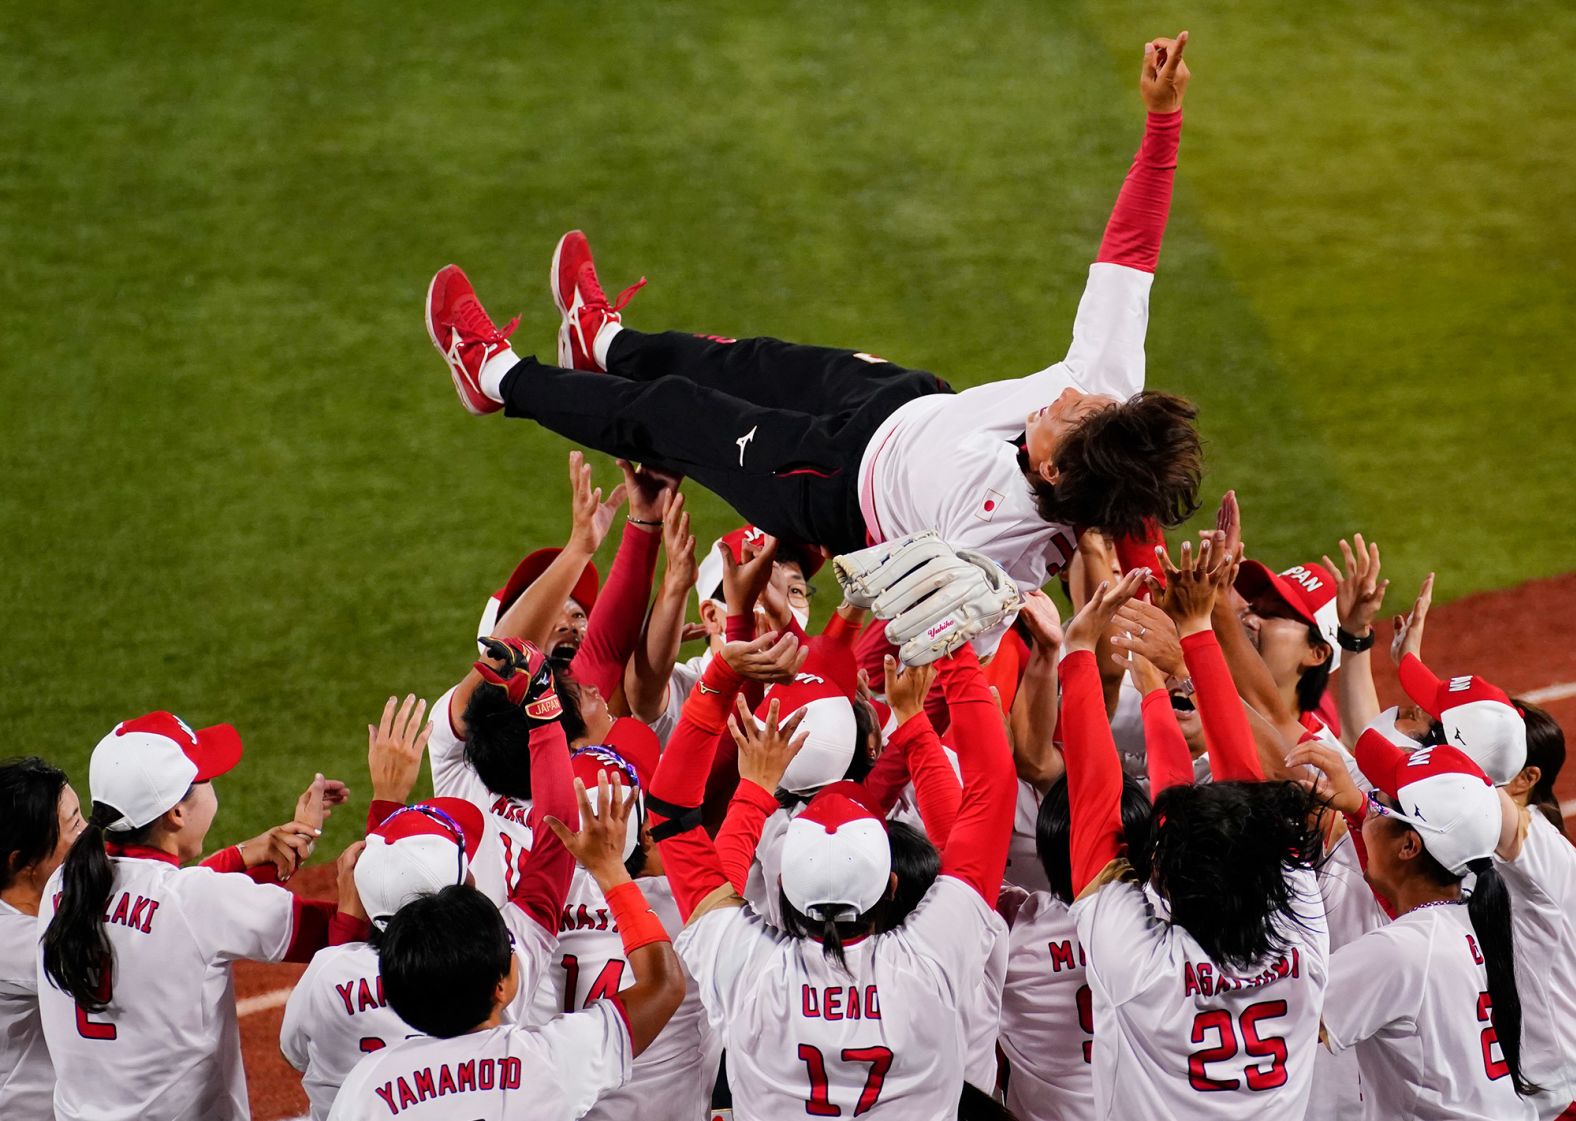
{"x":455,"y":375}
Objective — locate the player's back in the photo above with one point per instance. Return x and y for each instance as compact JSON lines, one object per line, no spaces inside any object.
{"x":1047,"y":1020}
{"x":167,"y":1045}
{"x":336,"y":1016}
{"x":1178,"y":1035}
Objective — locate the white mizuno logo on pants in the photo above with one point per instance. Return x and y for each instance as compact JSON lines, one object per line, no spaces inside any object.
{"x":743,"y":442}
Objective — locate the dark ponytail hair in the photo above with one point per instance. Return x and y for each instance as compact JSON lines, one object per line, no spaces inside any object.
{"x":29,"y":814}
{"x":77,"y":954}
{"x":1545,"y":751}
{"x":1489,"y":909}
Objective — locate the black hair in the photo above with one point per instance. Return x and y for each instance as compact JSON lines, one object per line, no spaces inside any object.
{"x":860,"y":764}
{"x":975,"y":1104}
{"x":29,"y":814}
{"x":1126,"y":465}
{"x":441,"y":958}
{"x":498,"y":735}
{"x":1221,"y":852}
{"x":1313,"y":681}
{"x":78,"y":958}
{"x":1053,"y":833}
{"x":1545,"y":751}
{"x":916,"y":863}
{"x":1489,"y":909}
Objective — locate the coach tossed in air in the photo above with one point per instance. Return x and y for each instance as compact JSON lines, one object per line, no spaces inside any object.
{"x":844,"y":449}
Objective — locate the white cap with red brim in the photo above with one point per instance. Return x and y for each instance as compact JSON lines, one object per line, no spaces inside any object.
{"x":417,"y":850}
{"x":146,"y":766}
{"x":836,"y":861}
{"x":1308,"y":589}
{"x":1477,"y":717}
{"x":1439,"y":790}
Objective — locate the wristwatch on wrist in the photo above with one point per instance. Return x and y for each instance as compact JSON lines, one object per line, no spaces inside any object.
{"x":1354,"y":643}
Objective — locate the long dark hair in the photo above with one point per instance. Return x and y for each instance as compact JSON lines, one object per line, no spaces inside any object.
{"x":1053,"y":834}
{"x":78,"y":958}
{"x":1221,"y":856}
{"x":1545,"y":751}
{"x":29,"y":814}
{"x":1489,"y":909}
{"x":1313,"y":681}
{"x":498,"y":736}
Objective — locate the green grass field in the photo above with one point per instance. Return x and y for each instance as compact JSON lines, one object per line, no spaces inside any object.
{"x":236,"y":481}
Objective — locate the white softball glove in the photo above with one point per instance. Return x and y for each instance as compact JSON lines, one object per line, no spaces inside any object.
{"x":866,"y":574}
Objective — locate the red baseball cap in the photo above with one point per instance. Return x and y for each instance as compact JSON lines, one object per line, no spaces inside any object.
{"x":708,"y":582}
{"x":835,"y":857}
{"x":589,"y":763}
{"x":417,"y":850}
{"x":526,"y":573}
{"x":145,"y":766}
{"x":1308,"y":589}
{"x":1440,"y":792}
{"x":1477,"y":717}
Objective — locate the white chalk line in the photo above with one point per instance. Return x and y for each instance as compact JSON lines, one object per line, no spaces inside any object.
{"x":1551,"y":693}
{"x":262,"y":1002}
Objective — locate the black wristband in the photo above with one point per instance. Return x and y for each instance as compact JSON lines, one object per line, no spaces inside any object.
{"x":1351,"y":642}
{"x":644,"y":521}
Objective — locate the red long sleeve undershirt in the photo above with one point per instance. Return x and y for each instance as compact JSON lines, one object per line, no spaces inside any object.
{"x":1166,"y":754}
{"x":1094,"y":774}
{"x":690,"y":857}
{"x":1227,"y":733}
{"x":976,"y":849}
{"x":1139,"y":552}
{"x":614,"y":626}
{"x":544,"y":880}
{"x":1138,"y":221}
{"x":740,"y":834}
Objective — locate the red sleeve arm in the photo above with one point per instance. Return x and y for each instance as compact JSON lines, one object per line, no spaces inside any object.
{"x":1094,"y":774}
{"x":976,"y":847}
{"x":740,"y":834}
{"x":614,"y":626}
{"x":841,"y":630}
{"x":309,"y":926}
{"x":679,"y":786}
{"x":1138,"y":221}
{"x":344,"y":929}
{"x":1166,"y":754}
{"x":544,"y":880}
{"x":1233,"y":756}
{"x":226,"y":860}
{"x":1139,"y":552}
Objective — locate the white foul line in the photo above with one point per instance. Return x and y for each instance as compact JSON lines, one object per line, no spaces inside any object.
{"x":262,"y":1002}
{"x":1551,"y":693}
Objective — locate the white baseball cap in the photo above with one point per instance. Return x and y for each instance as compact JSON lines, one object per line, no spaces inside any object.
{"x":417,"y":850}
{"x":146,"y":766}
{"x":1440,"y":792}
{"x":1477,"y":717}
{"x":835,"y":858}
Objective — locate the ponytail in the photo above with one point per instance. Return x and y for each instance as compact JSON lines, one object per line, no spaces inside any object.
{"x":77,"y":955}
{"x":831,"y":938}
{"x":823,"y":927}
{"x":1489,"y":909}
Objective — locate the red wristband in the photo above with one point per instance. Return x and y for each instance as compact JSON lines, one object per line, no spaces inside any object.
{"x":637,"y":924}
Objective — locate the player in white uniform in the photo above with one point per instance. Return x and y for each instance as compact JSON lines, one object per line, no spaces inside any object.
{"x":448,"y":971}
{"x":1430,"y":1001}
{"x":1207,"y":979}
{"x":337,"y":1013}
{"x":839,"y":1012}
{"x":40,"y":817}
{"x":839,"y":448}
{"x":135,"y":989}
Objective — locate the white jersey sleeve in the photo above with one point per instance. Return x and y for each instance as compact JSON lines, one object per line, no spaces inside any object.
{"x":241,"y":919}
{"x":452,"y":776}
{"x":953,"y":926}
{"x":721,"y":949}
{"x":27,"y":1077}
{"x":680,"y":682}
{"x":1377,"y":980}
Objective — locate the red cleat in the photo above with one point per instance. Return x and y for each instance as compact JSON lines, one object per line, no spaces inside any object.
{"x":581,"y":302}
{"x":464,"y":335}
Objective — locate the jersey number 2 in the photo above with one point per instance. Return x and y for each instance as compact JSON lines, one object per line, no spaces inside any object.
{"x":820,"y":1103}
{"x":97,"y":1029}
{"x":1494,"y":1068}
{"x":1272,"y":1047}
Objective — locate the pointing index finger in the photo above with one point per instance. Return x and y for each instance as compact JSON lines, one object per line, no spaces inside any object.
{"x":1174,"y":56}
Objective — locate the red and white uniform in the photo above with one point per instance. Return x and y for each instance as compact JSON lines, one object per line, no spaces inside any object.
{"x":510,"y":1073}
{"x":337,"y":1015}
{"x":1412,"y":999}
{"x":672,"y":1079}
{"x":167,"y":1046}
{"x":1542,"y":883}
{"x":1047,"y":1020}
{"x":27,"y":1077}
{"x":949,"y":462}
{"x":883,"y":1038}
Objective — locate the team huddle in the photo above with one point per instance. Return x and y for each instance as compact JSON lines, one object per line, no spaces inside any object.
{"x":953,"y":855}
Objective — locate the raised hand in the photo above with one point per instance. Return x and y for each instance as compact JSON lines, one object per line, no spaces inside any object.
{"x":650,"y":492}
{"x":599,"y":842}
{"x":349,"y":897}
{"x":1358,"y":590}
{"x":744,"y":580}
{"x":766,"y":749}
{"x":907,"y":686}
{"x":1192,"y":587}
{"x":1085,"y":628}
{"x":1409,"y":628}
{"x":286,"y":847}
{"x":1148,"y":632}
{"x":769,"y":657}
{"x":1164,"y":76}
{"x":679,"y":545}
{"x":1039,"y":614}
{"x":592,"y":518}
{"x":394,"y":748}
{"x":1332,"y":782}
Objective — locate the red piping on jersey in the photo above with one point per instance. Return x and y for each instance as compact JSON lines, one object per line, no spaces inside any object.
{"x":623,"y":1014}
{"x":141,"y":852}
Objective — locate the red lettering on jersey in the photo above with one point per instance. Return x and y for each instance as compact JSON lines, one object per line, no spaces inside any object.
{"x":601,"y":918}
{"x":139,"y":921}
{"x":1189,"y":980}
{"x":810,"y":1002}
{"x":853,"y":1004}
{"x":583,"y":919}
{"x":509,"y":810}
{"x":834,"y":1004}
{"x":1477,"y":956}
{"x":122,"y":908}
{"x":467,"y":1075}
{"x":1062,"y":955}
{"x":424,"y":1087}
{"x":364,"y":997}
{"x":509,"y":1075}
{"x":484,"y":1074}
{"x":446,"y":1081}
{"x":344,"y":995}
{"x":386,"y":1092}
{"x":406,"y":1098}
{"x":872,"y":1003}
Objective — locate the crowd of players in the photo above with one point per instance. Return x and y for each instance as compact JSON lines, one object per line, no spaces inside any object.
{"x":1164,"y":858}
